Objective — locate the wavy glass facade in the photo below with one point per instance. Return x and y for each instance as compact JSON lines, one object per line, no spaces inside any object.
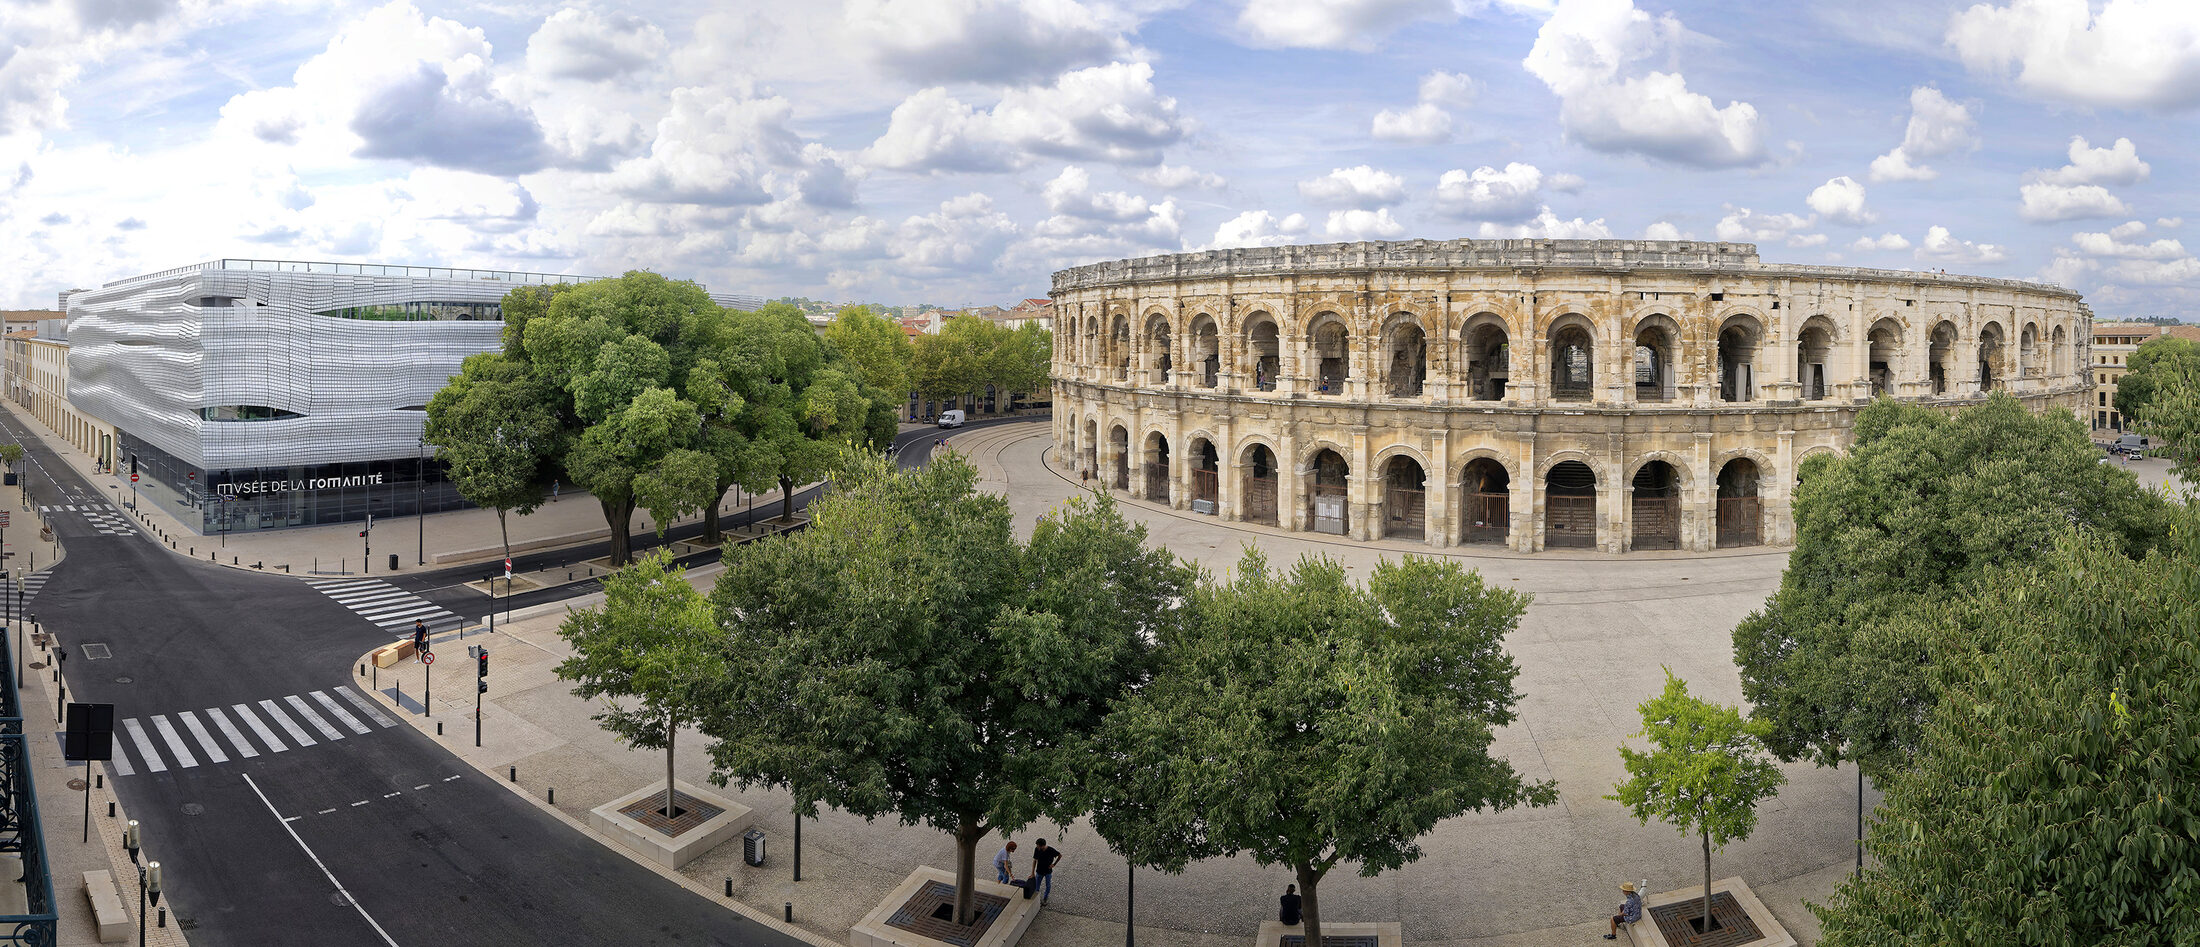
{"x":296,"y":389}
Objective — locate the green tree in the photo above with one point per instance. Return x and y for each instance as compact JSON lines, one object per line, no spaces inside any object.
{"x":805,"y":407}
{"x":905,"y":656}
{"x":656,"y":642}
{"x":2053,"y":800}
{"x":1925,"y":503}
{"x":12,"y":454}
{"x":962,"y":358}
{"x":2150,"y":368}
{"x":1308,"y":721}
{"x":1024,"y":361}
{"x":1705,"y":772}
{"x":877,"y":348}
{"x":494,"y":428}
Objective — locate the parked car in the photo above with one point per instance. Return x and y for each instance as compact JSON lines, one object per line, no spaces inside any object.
{"x":953,"y":418}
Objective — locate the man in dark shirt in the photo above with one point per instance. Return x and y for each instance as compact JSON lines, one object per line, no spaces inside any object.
{"x":420,"y":638}
{"x":1042,"y":868}
{"x":1290,"y":905}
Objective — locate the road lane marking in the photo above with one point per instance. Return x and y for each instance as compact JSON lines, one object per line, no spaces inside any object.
{"x":289,"y":726}
{"x":361,"y":802}
{"x":221,"y":720}
{"x":325,"y":811}
{"x":244,"y":713}
{"x":298,"y":704}
{"x":121,"y":762}
{"x":213,"y":749}
{"x":421,"y":786}
{"x":175,"y":742}
{"x":145,"y":747}
{"x":449,"y":778}
{"x":365,"y":706}
{"x":349,"y":720}
{"x":391,"y":795}
{"x":317,"y":861}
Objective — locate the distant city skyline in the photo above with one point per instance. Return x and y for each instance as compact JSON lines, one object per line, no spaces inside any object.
{"x":934,"y":150}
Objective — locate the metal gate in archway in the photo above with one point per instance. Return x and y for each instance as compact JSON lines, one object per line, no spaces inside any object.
{"x":1570,"y":522}
{"x":1157,"y":483}
{"x":1405,"y":513}
{"x":1488,"y":517}
{"x":1260,"y":500}
{"x":1738,"y":519}
{"x":1206,"y":487}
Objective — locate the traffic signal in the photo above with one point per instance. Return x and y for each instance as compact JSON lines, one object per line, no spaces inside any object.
{"x":133,"y":465}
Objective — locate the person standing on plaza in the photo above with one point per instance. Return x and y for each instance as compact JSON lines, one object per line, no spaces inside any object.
{"x":1004,"y":863}
{"x":420,"y":638}
{"x":1042,"y":868}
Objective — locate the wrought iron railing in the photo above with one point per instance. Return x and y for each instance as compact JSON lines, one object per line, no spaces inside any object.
{"x":20,"y":834}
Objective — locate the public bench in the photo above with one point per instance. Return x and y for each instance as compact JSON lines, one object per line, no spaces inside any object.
{"x":108,"y":914}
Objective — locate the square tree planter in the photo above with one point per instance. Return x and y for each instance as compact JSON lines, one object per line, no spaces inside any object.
{"x":906,"y":918}
{"x":1334,"y":934}
{"x":706,"y":820}
{"x":1668,"y":919}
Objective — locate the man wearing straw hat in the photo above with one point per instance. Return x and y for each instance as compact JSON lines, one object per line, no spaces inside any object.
{"x":1630,"y":910}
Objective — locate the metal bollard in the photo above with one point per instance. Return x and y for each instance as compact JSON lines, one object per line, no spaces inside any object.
{"x":790,"y":914}
{"x":110,"y":810}
{"x":163,"y":918}
{"x":553,"y":795}
{"x":439,"y":728}
{"x":729,"y":886}
{"x":99,"y":780}
{"x":515,"y":774}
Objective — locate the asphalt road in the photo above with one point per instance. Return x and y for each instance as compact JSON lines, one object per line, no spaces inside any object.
{"x":378,"y":837}
{"x":389,"y":839}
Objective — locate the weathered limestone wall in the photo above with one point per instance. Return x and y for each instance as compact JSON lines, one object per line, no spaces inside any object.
{"x":1614,"y":354}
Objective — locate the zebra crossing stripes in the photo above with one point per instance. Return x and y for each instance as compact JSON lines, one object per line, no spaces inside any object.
{"x":103,"y":516}
{"x":212,"y":736}
{"x":30,"y":585}
{"x":384,"y":605}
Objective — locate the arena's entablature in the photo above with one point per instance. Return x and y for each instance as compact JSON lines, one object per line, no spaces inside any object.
{"x":1607,"y":394}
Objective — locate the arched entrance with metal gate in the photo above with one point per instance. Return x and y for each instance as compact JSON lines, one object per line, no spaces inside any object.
{"x":1326,"y":505}
{"x":1485,"y":507}
{"x":1260,"y":485}
{"x":1656,"y":507}
{"x":1739,"y":510}
{"x":1119,"y":441}
{"x":1206,"y":478}
{"x":1570,"y":507}
{"x":1157,"y":468}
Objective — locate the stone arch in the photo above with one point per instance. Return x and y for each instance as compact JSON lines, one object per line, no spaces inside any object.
{"x":1403,"y":354}
{"x":1327,"y":478}
{"x":1404,"y":480}
{"x":1506,"y":461}
{"x":1804,"y":457}
{"x":1813,"y":350}
{"x":1572,"y":339}
{"x":1329,"y":351}
{"x":1740,"y":515}
{"x":1737,"y":344}
{"x":1204,"y":460}
{"x":1262,"y":337}
{"x":1993,"y":356}
{"x":1204,"y":351}
{"x":2058,"y":353}
{"x":1119,"y":346}
{"x":1092,"y":354}
{"x":1260,"y":480}
{"x":1883,"y":350}
{"x":1486,"y":479}
{"x":1596,"y":465}
{"x":1091,"y":441}
{"x":2028,"y":351}
{"x":1487,"y":352}
{"x":1686,"y":477}
{"x":1569,"y":487}
{"x":1119,"y":444}
{"x":1656,"y":483}
{"x":1656,"y":351}
{"x":1157,"y":339}
{"x":1940,"y":356}
{"x":1156,"y":456}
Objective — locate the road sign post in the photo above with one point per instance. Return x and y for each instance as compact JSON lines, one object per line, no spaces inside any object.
{"x":427,"y":683}
{"x":481,"y":684}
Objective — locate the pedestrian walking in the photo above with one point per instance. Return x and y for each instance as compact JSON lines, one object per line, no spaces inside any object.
{"x":553,"y":491}
{"x":420,"y":638}
{"x":1042,"y":868}
{"x":1004,"y":863}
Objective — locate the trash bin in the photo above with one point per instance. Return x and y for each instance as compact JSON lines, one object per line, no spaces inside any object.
{"x":393,"y":562}
{"x":752,"y":847}
{"x":10,"y":481}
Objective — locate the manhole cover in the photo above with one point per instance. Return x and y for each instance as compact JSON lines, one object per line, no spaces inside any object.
{"x":78,"y":785}
{"x":94,"y":652}
{"x":125,"y":680}
{"x":38,"y":665}
{"x":193,"y":808}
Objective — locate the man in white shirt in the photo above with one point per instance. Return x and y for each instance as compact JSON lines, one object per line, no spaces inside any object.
{"x":1004,"y":863}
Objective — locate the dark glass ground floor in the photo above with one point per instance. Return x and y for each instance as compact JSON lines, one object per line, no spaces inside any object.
{"x":247,"y":498}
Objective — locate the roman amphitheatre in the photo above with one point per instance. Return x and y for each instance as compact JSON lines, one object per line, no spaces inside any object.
{"x":1613,"y":395}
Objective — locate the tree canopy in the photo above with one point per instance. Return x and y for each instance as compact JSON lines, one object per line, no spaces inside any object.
{"x":1923,"y":506}
{"x":1705,"y":772}
{"x":2052,"y":800}
{"x":1308,"y":721}
{"x":494,"y":428}
{"x":2161,"y":398}
{"x":875,"y":346}
{"x":2150,"y":368}
{"x":906,"y":656}
{"x":970,"y":352}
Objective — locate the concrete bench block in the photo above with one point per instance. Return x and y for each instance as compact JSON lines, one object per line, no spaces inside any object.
{"x":108,"y":914}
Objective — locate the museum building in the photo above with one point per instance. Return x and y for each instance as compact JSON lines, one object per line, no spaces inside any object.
{"x":1612,"y":395}
{"x":255,"y":394}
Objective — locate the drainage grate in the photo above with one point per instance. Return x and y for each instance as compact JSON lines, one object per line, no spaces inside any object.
{"x":917,"y":915}
{"x":1331,"y":940}
{"x":94,"y":652}
{"x":1731,"y":925}
{"x":693,"y":812}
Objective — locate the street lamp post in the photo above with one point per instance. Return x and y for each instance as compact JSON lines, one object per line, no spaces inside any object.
{"x":148,"y":876}
{"x":420,"y":506}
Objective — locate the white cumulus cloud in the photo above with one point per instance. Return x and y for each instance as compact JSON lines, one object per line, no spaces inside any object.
{"x":1663,"y":230}
{"x":2041,"y":202}
{"x":1359,"y":224}
{"x":1071,"y":194}
{"x":1549,"y":226}
{"x":1841,"y":200}
{"x":2116,"y":164}
{"x":1941,"y":246}
{"x":1487,"y":193}
{"x":1742,"y":225}
{"x":2118,"y":242}
{"x":1334,"y":24}
{"x":1938,"y":126}
{"x":2118,"y":53}
{"x":1586,"y":53}
{"x":1176,"y":177}
{"x":1358,"y":187}
{"x":590,"y":46}
{"x":1887,"y":241}
{"x":1430,"y":120}
{"x":988,"y":41}
{"x":1105,"y":113}
{"x":1258,"y":228}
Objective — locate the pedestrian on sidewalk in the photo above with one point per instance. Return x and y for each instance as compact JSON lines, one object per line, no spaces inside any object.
{"x":420,"y":638}
{"x":553,"y":491}
{"x":1042,"y":868}
{"x":1004,"y":863}
{"x":1630,"y":910}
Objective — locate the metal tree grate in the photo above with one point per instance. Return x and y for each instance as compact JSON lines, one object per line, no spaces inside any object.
{"x":1331,"y":940}
{"x":649,"y":811}
{"x":916,"y":915}
{"x":1732,"y":924}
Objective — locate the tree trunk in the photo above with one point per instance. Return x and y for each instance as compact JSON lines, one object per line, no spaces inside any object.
{"x":619,"y":515}
{"x":672,"y":730}
{"x":506,"y":532}
{"x":1707,"y":883}
{"x":1309,"y":904}
{"x":786,"y":500}
{"x":711,"y":532}
{"x":966,"y":870}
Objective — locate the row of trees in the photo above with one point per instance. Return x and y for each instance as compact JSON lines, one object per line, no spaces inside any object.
{"x":2160,"y":397}
{"x":905,"y":656}
{"x":967,"y":354}
{"x":642,"y":391}
{"x":2000,"y":632}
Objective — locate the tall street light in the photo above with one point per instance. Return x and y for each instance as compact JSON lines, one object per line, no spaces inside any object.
{"x":148,"y":875}
{"x":420,"y":505}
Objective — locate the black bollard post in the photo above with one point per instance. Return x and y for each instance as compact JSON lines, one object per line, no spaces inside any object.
{"x":553,"y":795}
{"x":515,"y":774}
{"x":729,"y":886}
{"x":790,"y":913}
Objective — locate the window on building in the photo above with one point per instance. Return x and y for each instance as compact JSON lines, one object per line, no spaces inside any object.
{"x":422,"y":311}
{"x":245,"y":412}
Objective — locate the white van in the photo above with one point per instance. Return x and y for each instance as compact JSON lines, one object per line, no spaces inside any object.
{"x":952,"y":418}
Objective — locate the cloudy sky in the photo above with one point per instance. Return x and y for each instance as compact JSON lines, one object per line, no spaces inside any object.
{"x":957,"y":151}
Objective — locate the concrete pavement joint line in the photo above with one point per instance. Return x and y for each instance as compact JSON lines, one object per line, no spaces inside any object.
{"x":354,"y":902}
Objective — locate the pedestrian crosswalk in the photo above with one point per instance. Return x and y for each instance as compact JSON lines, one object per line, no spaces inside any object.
{"x":103,"y":517}
{"x":158,"y":742}
{"x":19,"y":593}
{"x":387,"y":606}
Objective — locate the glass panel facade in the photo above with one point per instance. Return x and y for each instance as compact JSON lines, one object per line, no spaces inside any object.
{"x":275,"y":497}
{"x":422,"y":311}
